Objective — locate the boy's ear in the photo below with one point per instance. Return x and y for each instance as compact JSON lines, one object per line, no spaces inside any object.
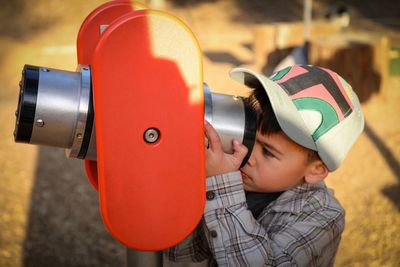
{"x":316,"y":172}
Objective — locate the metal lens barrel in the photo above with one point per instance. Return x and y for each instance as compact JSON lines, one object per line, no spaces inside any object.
{"x":233,"y":118}
{"x":55,"y":109}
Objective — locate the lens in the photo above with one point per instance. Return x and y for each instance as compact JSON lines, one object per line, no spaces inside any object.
{"x":250,"y":128}
{"x":233,"y":118}
{"x":55,"y":109}
{"x":25,"y":113}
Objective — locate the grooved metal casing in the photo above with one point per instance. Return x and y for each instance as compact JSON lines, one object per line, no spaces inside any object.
{"x":57,"y":106}
{"x":226,"y":113}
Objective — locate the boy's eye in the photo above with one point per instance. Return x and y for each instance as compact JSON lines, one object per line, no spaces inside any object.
{"x":266,"y":152}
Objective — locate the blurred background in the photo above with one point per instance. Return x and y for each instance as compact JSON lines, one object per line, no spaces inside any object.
{"x":49,"y":211}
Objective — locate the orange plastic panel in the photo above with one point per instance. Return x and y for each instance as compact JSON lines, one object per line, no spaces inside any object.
{"x":147,"y":73}
{"x":91,"y":172}
{"x":88,"y":37}
{"x":89,"y":33}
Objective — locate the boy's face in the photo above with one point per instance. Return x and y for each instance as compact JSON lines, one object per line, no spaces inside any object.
{"x":276,"y":164}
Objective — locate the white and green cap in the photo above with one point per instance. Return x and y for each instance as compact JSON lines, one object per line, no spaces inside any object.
{"x":314,"y":106}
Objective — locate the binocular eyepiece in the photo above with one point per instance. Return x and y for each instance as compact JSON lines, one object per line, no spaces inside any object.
{"x":55,"y":108}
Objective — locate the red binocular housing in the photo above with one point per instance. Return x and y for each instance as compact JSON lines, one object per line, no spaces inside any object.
{"x":134,"y":110}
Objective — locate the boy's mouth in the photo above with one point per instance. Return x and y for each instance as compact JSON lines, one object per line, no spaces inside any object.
{"x":244,"y":176}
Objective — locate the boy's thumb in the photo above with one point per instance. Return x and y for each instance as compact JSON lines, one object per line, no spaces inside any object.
{"x":239,"y":150}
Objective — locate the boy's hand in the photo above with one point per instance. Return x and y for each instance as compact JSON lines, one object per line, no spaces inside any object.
{"x":217,"y":161}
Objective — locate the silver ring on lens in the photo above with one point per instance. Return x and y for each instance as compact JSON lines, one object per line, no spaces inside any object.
{"x":82,"y":113}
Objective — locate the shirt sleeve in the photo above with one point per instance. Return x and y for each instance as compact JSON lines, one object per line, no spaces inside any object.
{"x":193,"y":248}
{"x":236,"y":238}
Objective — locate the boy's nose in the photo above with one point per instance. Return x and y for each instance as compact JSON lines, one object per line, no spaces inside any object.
{"x":251,"y":162}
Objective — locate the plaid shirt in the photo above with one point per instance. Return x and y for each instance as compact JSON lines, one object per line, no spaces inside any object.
{"x":301,"y":228}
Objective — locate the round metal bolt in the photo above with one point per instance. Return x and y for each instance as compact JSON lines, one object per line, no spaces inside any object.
{"x":39,"y":123}
{"x":151,"y":135}
{"x":45,"y":69}
{"x":210,"y":195}
{"x":213,"y":233}
{"x":79,"y":135}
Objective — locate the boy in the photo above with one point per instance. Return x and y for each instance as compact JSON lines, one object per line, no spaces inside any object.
{"x":276,"y":210}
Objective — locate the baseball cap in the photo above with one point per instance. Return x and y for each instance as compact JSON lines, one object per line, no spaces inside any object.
{"x":314,"y":106}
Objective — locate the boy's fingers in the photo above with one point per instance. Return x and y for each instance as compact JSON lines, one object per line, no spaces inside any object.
{"x":214,"y":142}
{"x":239,"y":151}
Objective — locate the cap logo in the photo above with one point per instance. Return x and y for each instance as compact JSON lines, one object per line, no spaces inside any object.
{"x":280,"y":74}
{"x":317,"y":89}
{"x":329,"y":116}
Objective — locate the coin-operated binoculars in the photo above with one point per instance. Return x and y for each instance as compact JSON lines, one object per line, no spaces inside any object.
{"x":134,"y":110}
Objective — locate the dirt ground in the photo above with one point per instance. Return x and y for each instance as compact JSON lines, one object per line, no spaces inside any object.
{"x":49,"y":211}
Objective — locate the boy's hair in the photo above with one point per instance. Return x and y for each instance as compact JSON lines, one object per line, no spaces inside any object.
{"x":267,"y":122}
